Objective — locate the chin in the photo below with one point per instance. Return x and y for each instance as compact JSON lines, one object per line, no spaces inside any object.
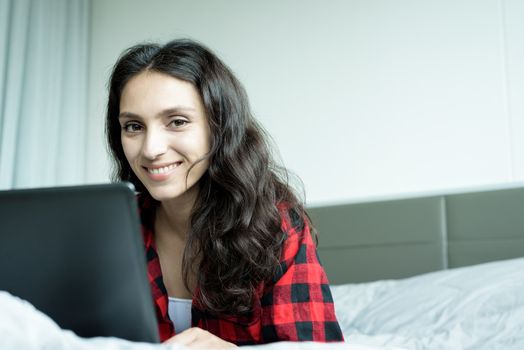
{"x":164,"y":193}
{"x":171,"y":191}
{"x":161,"y":195}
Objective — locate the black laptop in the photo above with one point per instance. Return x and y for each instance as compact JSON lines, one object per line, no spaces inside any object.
{"x":76,"y":254}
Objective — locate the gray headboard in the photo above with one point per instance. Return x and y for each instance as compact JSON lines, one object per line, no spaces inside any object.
{"x":399,"y":238}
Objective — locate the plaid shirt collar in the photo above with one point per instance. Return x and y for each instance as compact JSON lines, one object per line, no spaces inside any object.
{"x":154,"y":272}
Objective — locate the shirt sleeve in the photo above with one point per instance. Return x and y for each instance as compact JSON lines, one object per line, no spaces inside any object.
{"x":297,"y":305}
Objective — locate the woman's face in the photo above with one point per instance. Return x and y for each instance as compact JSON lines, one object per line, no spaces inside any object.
{"x":164,"y":132}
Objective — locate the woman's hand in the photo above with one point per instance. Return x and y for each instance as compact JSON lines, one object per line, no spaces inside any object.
{"x":197,"y":338}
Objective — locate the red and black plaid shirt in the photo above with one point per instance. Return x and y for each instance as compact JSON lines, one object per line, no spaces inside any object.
{"x":295,"y":306}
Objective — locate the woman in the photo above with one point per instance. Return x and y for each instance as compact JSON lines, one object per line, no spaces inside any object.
{"x":231,"y":259}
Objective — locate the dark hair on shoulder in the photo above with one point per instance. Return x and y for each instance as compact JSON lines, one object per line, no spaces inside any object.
{"x":235,"y":240}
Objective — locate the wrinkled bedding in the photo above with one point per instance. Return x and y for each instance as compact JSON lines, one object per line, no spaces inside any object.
{"x":476,"y":307}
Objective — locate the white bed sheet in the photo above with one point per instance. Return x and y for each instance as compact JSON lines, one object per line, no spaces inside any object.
{"x":475,"y":307}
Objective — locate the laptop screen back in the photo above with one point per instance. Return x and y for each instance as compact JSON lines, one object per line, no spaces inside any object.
{"x":76,"y":254}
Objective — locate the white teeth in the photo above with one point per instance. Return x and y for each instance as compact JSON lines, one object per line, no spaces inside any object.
{"x":162,"y":170}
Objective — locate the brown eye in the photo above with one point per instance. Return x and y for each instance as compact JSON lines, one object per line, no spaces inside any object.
{"x":177,"y":123}
{"x":132,"y":127}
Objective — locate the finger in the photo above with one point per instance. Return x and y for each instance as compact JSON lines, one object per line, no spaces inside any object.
{"x":206,"y":340}
{"x":186,"y":337}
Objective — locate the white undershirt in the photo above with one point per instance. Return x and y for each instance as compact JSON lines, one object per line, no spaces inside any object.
{"x":180,"y":313}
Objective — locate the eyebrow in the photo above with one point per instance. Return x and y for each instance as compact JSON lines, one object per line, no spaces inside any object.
{"x":164,"y":113}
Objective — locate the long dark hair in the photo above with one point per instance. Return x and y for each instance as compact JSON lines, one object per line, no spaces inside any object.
{"x":235,"y":239}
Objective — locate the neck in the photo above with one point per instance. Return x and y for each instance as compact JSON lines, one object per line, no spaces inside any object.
{"x":172,"y":221}
{"x":173,"y":216}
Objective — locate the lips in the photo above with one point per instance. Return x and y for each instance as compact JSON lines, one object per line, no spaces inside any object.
{"x":162,"y":169}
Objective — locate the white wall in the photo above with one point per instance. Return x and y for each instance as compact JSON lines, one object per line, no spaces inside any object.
{"x":363,"y":97}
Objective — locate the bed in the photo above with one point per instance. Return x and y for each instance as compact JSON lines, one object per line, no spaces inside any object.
{"x":478,"y":307}
{"x":440,"y":271}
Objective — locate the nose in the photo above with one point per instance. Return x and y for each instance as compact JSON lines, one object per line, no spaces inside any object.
{"x":155,"y":145}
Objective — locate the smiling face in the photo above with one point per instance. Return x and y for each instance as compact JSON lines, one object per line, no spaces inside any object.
{"x":164,"y":133}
